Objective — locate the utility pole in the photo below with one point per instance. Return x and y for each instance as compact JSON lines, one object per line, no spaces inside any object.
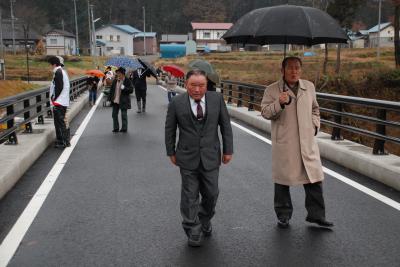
{"x":144,"y":30}
{"x":378,"y":51}
{"x":76,"y":30}
{"x":26,"y":33}
{"x":93,"y":32}
{"x":90,"y":26}
{"x":1,"y":35}
{"x":12,"y":25}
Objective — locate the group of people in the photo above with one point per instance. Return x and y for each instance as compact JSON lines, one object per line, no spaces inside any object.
{"x":289,"y":103}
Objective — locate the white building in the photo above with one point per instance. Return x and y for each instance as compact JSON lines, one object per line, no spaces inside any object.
{"x":209,"y":35}
{"x":118,"y":39}
{"x":60,"y":43}
{"x":386,"y":35}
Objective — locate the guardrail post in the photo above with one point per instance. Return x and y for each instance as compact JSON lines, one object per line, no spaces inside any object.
{"x":240,"y":96}
{"x":49,"y":112}
{"x":28,"y":126}
{"x":379,"y":145}
{"x":230,"y":93}
{"x":252,"y":98}
{"x":39,"y":109}
{"x":12,"y":138}
{"x":338,"y":119}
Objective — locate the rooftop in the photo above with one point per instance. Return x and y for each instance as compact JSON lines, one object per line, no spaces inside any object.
{"x":211,"y":26}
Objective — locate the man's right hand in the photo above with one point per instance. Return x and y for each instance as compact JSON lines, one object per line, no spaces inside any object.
{"x":173,"y":159}
{"x":284,"y":98}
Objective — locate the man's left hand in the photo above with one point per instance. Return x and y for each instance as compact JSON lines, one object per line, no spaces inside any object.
{"x":226,"y":158}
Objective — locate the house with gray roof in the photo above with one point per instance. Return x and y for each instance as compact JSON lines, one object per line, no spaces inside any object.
{"x":60,"y":43}
{"x":32,"y":37}
{"x":118,"y":39}
{"x":386,"y":35}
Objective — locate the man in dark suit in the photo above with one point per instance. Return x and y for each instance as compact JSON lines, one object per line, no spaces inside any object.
{"x":120,"y":91}
{"x":198,"y":114}
{"x":139,"y":82}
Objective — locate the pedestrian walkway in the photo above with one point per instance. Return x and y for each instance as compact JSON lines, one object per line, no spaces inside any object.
{"x":116,"y":203}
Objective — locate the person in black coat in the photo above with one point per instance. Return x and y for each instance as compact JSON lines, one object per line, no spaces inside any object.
{"x":120,"y":91}
{"x":139,"y":82}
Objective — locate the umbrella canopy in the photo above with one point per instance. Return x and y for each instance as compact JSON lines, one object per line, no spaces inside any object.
{"x":97,"y":73}
{"x":205,"y":66}
{"x":148,"y":67}
{"x":123,"y":61}
{"x":174,"y":70}
{"x":286,"y":24}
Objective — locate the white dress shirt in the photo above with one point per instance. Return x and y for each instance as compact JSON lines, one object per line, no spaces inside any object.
{"x":193,"y":105}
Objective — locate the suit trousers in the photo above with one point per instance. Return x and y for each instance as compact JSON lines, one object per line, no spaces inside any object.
{"x":59,"y":124}
{"x":195,"y":212}
{"x":140,"y":95}
{"x":124,"y":117}
{"x":314,"y":203}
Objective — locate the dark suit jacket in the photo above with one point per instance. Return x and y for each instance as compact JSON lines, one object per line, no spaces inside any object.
{"x":125,"y":99}
{"x":194,"y":145}
{"x":140,"y":83}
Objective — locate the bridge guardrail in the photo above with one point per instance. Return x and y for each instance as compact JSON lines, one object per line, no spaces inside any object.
{"x":333,"y":106}
{"x":31,"y":105}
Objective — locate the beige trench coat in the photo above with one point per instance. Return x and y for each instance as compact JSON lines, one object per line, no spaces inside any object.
{"x":295,"y":154}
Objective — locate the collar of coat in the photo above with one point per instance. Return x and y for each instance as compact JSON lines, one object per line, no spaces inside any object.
{"x":301,"y":85}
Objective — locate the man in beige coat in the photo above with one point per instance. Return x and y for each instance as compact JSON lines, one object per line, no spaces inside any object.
{"x":292,"y":107}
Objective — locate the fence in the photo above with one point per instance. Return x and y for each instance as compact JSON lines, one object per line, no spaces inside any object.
{"x":22,"y":109}
{"x":336,"y":112}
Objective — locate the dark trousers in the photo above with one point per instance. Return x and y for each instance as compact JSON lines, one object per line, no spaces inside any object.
{"x":92,"y":96}
{"x":59,"y":124}
{"x":124,"y":117}
{"x":195,"y":212}
{"x":314,"y":201}
{"x":141,"y":96}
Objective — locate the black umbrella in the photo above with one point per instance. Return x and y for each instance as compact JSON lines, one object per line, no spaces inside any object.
{"x":148,"y":67}
{"x":286,"y":24}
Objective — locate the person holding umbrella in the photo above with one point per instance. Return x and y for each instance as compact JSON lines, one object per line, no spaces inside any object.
{"x":140,"y":83}
{"x":292,"y":107}
{"x":120,"y":90}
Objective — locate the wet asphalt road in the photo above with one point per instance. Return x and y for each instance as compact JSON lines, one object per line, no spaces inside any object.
{"x":116,"y":203}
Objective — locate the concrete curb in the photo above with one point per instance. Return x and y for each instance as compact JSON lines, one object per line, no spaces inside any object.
{"x":354,"y":156}
{"x":17,"y":159}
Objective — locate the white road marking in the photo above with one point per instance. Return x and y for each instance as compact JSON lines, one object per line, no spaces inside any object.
{"x":10,"y":244}
{"x":366,"y":190}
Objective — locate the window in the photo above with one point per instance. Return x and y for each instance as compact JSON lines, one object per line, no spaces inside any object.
{"x":118,"y":38}
{"x":206,"y":35}
{"x":109,"y":48}
{"x":53,"y":41}
{"x":111,"y":38}
{"x":99,"y":37}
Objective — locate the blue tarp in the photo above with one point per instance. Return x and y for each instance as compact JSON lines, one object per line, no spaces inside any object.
{"x":172,"y":50}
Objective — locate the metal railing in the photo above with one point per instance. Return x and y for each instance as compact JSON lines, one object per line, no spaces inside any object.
{"x":22,"y":109}
{"x":332,"y":107}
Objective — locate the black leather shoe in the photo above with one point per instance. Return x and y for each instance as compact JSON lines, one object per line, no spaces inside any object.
{"x":207,"y":229}
{"x":123,"y":130}
{"x":195,"y":240}
{"x":283,"y":223}
{"x":320,"y":222}
{"x":115,"y":130}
